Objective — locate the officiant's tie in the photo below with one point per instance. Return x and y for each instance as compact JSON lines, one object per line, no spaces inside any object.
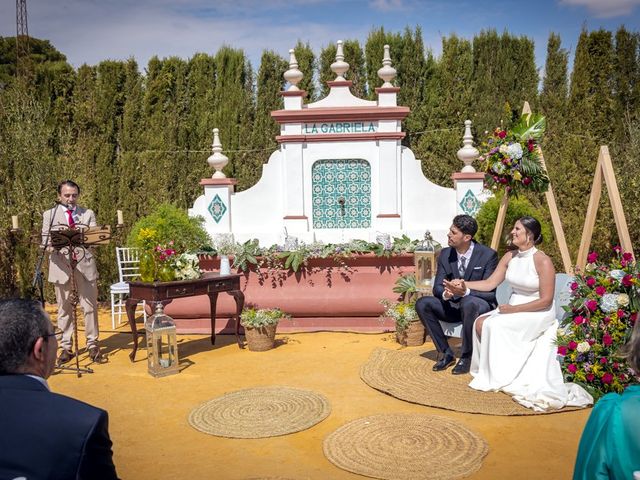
{"x":72,"y":222}
{"x":461,"y":266}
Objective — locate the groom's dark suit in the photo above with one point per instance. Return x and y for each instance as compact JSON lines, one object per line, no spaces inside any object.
{"x":47,"y":435}
{"x":482,"y":263}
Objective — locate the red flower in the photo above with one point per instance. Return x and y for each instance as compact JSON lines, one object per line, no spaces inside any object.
{"x":502,"y":133}
{"x":572,"y":345}
{"x":503,"y":180}
{"x":591,"y":281}
{"x":607,"y":340}
{"x":607,"y":378}
{"x":628,"y":256}
{"x":603,"y":360}
{"x":592,"y":257}
{"x":591,"y":305}
{"x":617,"y":249}
{"x":616,"y":365}
{"x":600,"y":290}
{"x":621,"y":313}
{"x":530,"y":145}
{"x":590,"y":377}
{"x":579,"y":320}
{"x":633,"y":317}
{"x":606,"y":320}
{"x":562,"y":350}
{"x":572,"y":368}
{"x":574,"y":286}
{"x":590,"y":341}
{"x":627,"y":280}
{"x":527,"y":180}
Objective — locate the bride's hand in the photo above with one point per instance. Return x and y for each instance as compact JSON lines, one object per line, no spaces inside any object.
{"x":506,"y":308}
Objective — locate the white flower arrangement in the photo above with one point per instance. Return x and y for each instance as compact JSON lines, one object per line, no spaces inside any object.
{"x":187,"y":267}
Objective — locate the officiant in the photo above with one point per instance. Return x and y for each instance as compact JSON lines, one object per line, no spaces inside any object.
{"x":68,"y":214}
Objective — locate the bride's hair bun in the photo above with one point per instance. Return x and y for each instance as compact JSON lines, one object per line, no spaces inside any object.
{"x":533,"y":228}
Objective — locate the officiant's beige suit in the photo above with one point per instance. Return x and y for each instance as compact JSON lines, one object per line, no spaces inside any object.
{"x":86,"y":275}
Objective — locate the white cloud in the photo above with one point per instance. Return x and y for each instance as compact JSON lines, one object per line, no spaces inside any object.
{"x":388,"y":5}
{"x":605,"y":8}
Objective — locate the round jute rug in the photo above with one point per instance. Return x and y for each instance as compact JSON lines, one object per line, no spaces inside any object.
{"x":260,"y":412}
{"x":407,"y":375}
{"x":406,"y":446}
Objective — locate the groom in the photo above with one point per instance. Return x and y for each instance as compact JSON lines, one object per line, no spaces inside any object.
{"x":469,"y":260}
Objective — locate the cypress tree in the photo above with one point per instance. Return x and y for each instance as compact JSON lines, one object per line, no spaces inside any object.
{"x":446,"y":106}
{"x":413,"y":76}
{"x":553,"y":99}
{"x":269,"y":85}
{"x":374,"y":52}
{"x":327,"y":57}
{"x":307,"y":65}
{"x":626,"y":75}
{"x":233,"y":97}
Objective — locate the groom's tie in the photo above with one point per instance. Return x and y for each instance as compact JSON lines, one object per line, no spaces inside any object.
{"x":461,"y":266}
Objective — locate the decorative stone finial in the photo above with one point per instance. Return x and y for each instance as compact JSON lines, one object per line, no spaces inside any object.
{"x":293,"y":75}
{"x":217,"y":160}
{"x":339,"y":67}
{"x":468,"y":153}
{"x":387,"y":72}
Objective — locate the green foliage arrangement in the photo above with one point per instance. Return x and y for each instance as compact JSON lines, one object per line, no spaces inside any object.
{"x":250,"y":253}
{"x":170,"y":224}
{"x":405,"y":286}
{"x":260,"y":317}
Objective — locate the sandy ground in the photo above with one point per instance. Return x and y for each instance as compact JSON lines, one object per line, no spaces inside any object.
{"x":153,"y":439}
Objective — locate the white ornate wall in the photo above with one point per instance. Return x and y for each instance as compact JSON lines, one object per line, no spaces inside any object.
{"x":340,"y":173}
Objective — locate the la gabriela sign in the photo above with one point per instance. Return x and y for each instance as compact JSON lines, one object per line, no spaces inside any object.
{"x":339,"y":127}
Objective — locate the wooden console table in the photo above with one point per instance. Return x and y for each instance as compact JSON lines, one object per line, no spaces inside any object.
{"x":164,"y":292}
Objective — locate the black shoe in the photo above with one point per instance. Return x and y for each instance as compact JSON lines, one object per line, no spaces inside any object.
{"x":65,"y":357}
{"x":444,"y":362}
{"x":463,"y":366}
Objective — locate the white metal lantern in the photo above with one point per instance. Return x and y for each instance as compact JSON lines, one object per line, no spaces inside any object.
{"x":425,"y":256}
{"x":162,"y":346}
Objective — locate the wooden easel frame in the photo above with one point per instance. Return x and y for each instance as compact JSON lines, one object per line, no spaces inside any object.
{"x":604,"y":168}
{"x":553,"y":211}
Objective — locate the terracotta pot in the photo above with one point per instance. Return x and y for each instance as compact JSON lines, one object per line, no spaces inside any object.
{"x":412,"y":336}
{"x":260,"y":339}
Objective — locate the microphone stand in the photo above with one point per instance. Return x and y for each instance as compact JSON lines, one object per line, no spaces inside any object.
{"x":38,"y":280}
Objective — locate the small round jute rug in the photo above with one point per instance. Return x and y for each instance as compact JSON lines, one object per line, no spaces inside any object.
{"x":407,"y":375}
{"x":260,"y":412}
{"x":406,"y":446}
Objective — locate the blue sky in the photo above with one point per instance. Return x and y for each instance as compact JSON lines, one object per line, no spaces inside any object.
{"x":88,"y":31}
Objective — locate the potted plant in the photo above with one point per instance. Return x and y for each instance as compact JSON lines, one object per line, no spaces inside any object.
{"x":260,"y":327}
{"x":409,"y":330}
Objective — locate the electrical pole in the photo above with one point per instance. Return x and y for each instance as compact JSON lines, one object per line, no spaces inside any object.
{"x":22,"y":39}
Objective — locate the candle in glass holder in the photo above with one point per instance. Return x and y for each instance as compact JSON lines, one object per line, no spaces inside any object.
{"x":120,"y":217}
{"x":14,"y":222}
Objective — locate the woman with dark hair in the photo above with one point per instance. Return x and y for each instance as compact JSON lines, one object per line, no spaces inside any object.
{"x":513,"y":345}
{"x":610,"y":443}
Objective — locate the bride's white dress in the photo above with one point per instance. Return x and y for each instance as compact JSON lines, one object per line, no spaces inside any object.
{"x":517,"y":354}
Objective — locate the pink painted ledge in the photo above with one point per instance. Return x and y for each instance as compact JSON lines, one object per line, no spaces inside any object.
{"x":322,"y":296}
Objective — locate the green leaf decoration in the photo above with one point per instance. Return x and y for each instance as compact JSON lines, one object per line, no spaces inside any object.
{"x":530,"y":126}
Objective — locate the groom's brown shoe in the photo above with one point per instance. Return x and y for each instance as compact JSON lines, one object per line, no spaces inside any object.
{"x":463,"y":366}
{"x":444,"y":362}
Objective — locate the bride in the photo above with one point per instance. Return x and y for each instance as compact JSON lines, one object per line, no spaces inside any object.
{"x":514,"y":346}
